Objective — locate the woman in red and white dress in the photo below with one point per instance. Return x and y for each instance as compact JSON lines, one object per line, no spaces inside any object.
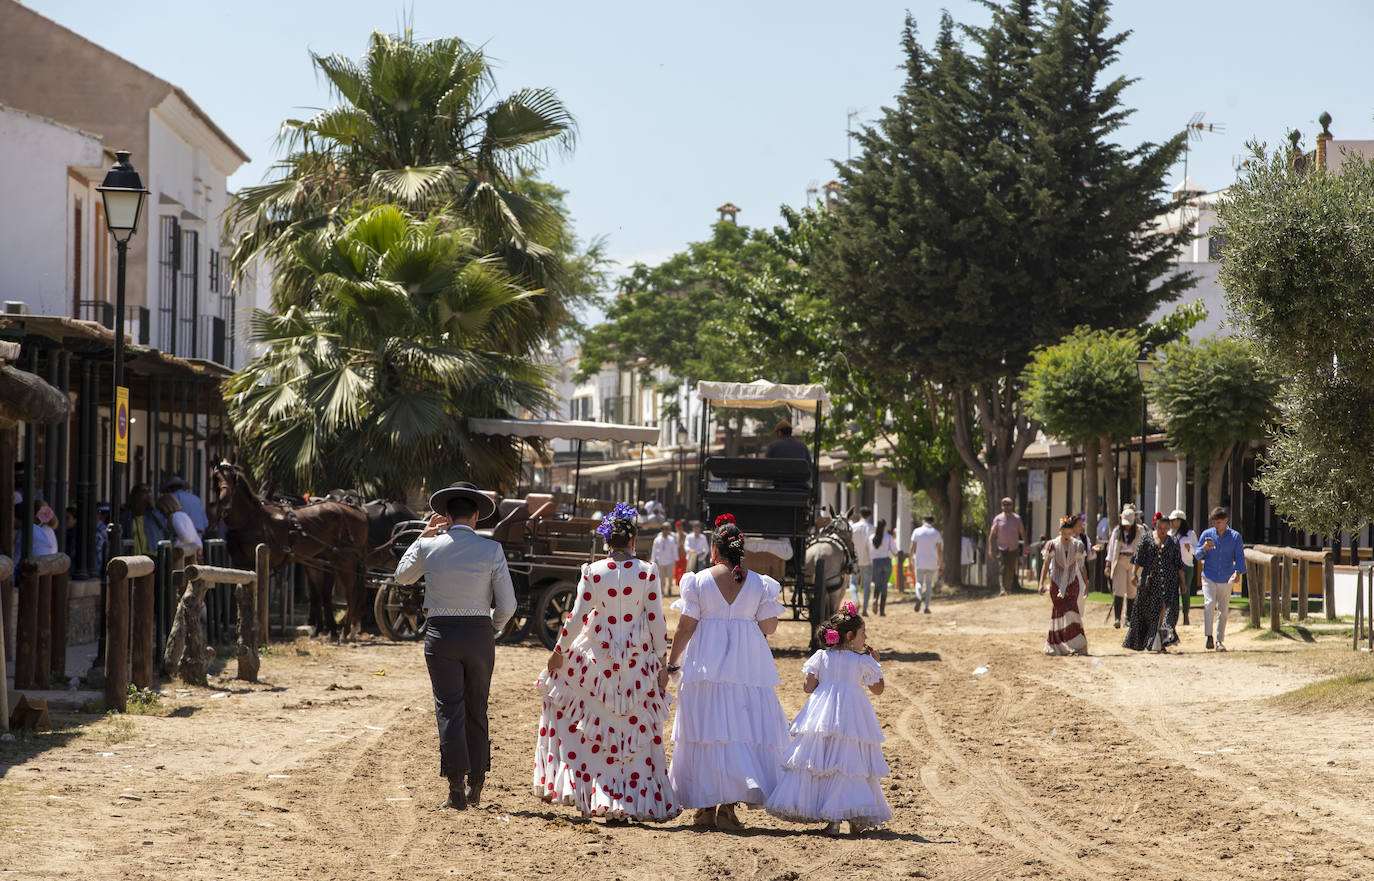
{"x":1063,"y":568}
{"x":600,"y":744}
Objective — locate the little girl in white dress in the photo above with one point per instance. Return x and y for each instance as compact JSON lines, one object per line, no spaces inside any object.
{"x":833,"y":769}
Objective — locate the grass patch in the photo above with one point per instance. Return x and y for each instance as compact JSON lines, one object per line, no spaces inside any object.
{"x":116,"y":729}
{"x":1347,"y":692}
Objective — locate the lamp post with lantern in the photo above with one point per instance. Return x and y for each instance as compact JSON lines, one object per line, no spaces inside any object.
{"x":1144,"y":367}
{"x":123,"y":194}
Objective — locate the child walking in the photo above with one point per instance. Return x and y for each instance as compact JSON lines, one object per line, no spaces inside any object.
{"x":833,"y":769}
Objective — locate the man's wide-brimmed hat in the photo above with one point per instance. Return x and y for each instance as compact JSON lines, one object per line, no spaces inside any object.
{"x":438,"y":503}
{"x":174,"y":482}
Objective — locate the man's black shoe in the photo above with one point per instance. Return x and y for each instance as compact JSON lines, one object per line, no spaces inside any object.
{"x":474,"y":790}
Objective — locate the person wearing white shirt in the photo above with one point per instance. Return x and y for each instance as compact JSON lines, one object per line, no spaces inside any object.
{"x":861,"y":531}
{"x":664,"y":556}
{"x":1187,"y":548}
{"x":184,"y":531}
{"x":926,"y":550}
{"x":884,"y":549}
{"x":698,"y":549}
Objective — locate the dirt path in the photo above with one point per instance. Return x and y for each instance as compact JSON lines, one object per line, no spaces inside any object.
{"x":1111,"y":766}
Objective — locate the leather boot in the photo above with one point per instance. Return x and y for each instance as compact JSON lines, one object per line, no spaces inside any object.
{"x":1116,"y":609}
{"x":474,"y":790}
{"x":457,"y":799}
{"x":1130,"y":603}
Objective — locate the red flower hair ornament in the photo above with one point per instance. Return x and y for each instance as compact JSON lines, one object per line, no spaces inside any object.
{"x":724,"y":519}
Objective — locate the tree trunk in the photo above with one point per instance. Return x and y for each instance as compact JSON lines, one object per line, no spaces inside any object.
{"x":1090,"y":484}
{"x":1216,"y":472}
{"x":948,"y":497}
{"x":1112,"y":480}
{"x":1006,"y":433}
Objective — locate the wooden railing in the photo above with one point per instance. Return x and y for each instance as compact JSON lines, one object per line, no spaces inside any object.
{"x":1282,"y":572}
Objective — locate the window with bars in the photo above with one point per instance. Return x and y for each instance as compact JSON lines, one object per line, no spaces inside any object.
{"x":169,"y":266}
{"x":214,"y":271}
{"x":188,"y":296}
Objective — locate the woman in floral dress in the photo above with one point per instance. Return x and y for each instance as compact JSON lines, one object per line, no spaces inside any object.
{"x":1158,"y":569}
{"x":600,"y":744}
{"x":1063,"y":569}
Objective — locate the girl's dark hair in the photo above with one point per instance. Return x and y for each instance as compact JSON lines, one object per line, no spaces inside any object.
{"x":729,"y":542}
{"x":622,"y":533}
{"x":1183,"y":526}
{"x":880,"y":533}
{"x":1128,"y":536}
{"x":844,"y":624}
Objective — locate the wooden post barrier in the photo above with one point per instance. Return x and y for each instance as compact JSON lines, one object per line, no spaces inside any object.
{"x":1275,"y":593}
{"x":1260,"y":565}
{"x":1360,"y":573}
{"x":33,"y":635}
{"x":1329,"y":585}
{"x":144,"y":627}
{"x":117,"y":629}
{"x":260,"y":561}
{"x":57,"y":652}
{"x":6,"y":573}
{"x":186,"y":650}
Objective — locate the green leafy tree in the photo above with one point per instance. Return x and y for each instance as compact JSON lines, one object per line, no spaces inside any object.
{"x":1085,"y":390}
{"x":419,"y":124}
{"x":408,"y":330}
{"x":1299,"y":278}
{"x":1214,"y":394}
{"x":991,"y":211}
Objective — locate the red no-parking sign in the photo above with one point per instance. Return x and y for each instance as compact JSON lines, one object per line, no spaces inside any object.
{"x":121,"y":449}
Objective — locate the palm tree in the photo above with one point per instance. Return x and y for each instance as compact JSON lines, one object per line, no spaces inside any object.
{"x":419,"y":124}
{"x":405,"y":329}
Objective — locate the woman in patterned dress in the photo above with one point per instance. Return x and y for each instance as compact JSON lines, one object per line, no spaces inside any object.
{"x":1158,"y":568}
{"x":600,"y":741}
{"x":1063,"y":569}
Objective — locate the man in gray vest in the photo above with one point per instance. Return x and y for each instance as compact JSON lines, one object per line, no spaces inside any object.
{"x":468,"y":600}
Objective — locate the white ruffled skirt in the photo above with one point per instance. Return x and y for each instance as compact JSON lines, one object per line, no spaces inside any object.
{"x":728,"y":743}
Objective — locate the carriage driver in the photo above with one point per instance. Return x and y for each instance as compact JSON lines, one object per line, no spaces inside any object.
{"x":468,"y":600}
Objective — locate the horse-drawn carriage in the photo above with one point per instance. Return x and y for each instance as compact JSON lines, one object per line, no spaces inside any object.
{"x":545,"y":546}
{"x":777,"y":500}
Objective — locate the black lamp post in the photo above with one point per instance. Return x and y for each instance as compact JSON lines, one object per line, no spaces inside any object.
{"x":1143,"y":368}
{"x":682,"y":467}
{"x":124,"y":194}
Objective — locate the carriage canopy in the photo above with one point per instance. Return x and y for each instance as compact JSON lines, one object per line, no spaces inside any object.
{"x":762,"y":394}
{"x":551,"y":429}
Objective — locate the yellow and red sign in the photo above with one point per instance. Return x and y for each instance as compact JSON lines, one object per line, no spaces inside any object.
{"x":121,"y":450}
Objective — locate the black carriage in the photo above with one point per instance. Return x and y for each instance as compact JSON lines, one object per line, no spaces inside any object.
{"x":776,"y":501}
{"x":546,"y":543}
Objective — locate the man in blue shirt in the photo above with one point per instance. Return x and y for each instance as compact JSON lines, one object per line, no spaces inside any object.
{"x":1221,"y":551}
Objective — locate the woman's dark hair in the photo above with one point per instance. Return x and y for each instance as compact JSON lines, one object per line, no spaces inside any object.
{"x":729,"y":542}
{"x":842,"y":623}
{"x":1128,"y":536}
{"x":622,"y":534}
{"x":1183,"y":526}
{"x":880,"y":533}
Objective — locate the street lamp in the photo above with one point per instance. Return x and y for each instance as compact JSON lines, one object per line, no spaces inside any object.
{"x":123,"y":193}
{"x":1144,"y":367}
{"x":682,"y":466}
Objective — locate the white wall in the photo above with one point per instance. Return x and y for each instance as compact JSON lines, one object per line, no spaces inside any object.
{"x":35,"y":257}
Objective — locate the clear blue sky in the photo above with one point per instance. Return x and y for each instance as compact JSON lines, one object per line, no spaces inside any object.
{"x":685,"y":106}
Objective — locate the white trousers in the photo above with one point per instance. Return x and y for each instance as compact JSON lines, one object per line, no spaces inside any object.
{"x":925,"y":586}
{"x":1215,"y":595}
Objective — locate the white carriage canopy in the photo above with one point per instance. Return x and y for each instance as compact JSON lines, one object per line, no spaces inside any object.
{"x":550,"y":429}
{"x":762,"y":394}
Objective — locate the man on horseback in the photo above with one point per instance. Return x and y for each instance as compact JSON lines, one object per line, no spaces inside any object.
{"x":468,"y":600}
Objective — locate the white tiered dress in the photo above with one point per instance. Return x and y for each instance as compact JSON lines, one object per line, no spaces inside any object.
{"x":833,"y":769}
{"x":600,"y":741}
{"x":730,"y":730}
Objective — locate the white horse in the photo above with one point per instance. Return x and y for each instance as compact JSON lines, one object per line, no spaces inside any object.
{"x":833,"y":544}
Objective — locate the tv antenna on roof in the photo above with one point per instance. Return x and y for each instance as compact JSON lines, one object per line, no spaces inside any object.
{"x":850,"y":118}
{"x":1194,"y":131}
{"x":813,"y":189}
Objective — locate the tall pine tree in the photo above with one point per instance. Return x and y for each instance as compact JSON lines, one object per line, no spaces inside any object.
{"x":990,"y":212}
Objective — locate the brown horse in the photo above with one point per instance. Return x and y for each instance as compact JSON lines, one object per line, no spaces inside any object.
{"x":329,"y":537}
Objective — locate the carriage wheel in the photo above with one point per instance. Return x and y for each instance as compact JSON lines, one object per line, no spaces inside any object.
{"x":552,"y":610}
{"x":513,"y":628}
{"x":396,"y":622}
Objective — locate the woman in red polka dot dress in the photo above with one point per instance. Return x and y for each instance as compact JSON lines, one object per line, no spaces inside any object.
{"x":600,"y":734}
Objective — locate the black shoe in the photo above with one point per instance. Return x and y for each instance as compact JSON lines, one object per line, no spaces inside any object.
{"x":1210,"y":644}
{"x":474,"y":789}
{"x":457,"y":798}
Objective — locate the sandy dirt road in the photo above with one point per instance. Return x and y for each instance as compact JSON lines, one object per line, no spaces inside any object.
{"x":1116,"y":765}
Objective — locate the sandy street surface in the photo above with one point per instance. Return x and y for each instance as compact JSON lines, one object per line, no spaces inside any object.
{"x":1112,"y":766}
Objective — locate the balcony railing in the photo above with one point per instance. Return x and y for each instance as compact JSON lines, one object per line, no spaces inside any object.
{"x":136,"y":324}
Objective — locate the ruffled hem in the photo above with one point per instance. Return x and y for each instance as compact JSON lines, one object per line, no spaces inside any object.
{"x":570,"y":713}
{"x":840,"y":709}
{"x":725,"y":713}
{"x":616,"y":796}
{"x":822,"y":756}
{"x":710,"y":774}
{"x":729,"y":650}
{"x":803,"y":797}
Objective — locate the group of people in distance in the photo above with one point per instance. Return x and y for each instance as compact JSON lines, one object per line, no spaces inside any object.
{"x":605,"y":691}
{"x":1150,"y":571}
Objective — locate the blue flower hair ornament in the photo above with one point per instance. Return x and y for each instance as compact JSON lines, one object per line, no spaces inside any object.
{"x":621,"y":511}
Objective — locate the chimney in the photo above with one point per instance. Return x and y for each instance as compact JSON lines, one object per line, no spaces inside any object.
{"x":1294,"y":151}
{"x":1323,"y":139}
{"x":728,"y":212}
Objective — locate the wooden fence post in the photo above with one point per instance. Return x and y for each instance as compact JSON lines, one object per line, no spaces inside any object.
{"x":117,"y":636}
{"x":260,"y":559}
{"x":26,"y":625}
{"x":247,"y":649}
{"x":143,"y":626}
{"x":58,"y":650}
{"x":1306,"y":574}
{"x":1329,"y":586}
{"x":42,"y":643}
{"x":1359,"y":607}
{"x":1275,"y":592}
{"x":6,"y":573}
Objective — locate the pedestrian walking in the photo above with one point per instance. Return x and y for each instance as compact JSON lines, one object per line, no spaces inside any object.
{"x":1187,"y":548}
{"x":1120,"y":548}
{"x":1157,"y":568}
{"x":600,"y":745}
{"x":730,"y":731}
{"x":926,"y":550}
{"x":664,"y":557}
{"x":468,"y":600}
{"x":1004,"y":544}
{"x":884,"y":549}
{"x":680,"y":564}
{"x":1222,"y":553}
{"x":1063,"y":570}
{"x":698,"y":548}
{"x":834,"y":769}
{"x":861,"y":532}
